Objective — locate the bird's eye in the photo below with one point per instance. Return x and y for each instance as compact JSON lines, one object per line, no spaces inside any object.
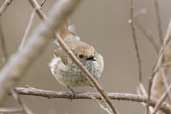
{"x":81,"y":56}
{"x":91,"y":58}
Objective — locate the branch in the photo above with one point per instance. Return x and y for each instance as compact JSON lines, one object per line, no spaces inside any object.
{"x":5,"y":6}
{"x":159,"y":22}
{"x":88,"y":75}
{"x":28,"y":27}
{"x":161,"y":100}
{"x":88,"y":95}
{"x":162,"y":54}
{"x":3,"y":44}
{"x":134,"y":37}
{"x":38,"y":41}
{"x":24,"y":107}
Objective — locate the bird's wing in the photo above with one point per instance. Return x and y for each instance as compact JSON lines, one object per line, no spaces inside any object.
{"x":56,"y":66}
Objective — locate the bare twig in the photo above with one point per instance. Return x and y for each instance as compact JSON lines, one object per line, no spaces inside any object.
{"x":29,"y":26}
{"x":158,"y":63}
{"x":38,"y":41}
{"x":27,"y":30}
{"x":5,"y":6}
{"x":161,"y":100}
{"x":88,"y":95}
{"x":165,"y":80}
{"x":132,"y":24}
{"x":26,"y":110}
{"x":159,"y":22}
{"x":37,"y":7}
{"x":3,"y":44}
{"x":10,"y":110}
{"x":88,"y":75}
{"x":102,"y":105}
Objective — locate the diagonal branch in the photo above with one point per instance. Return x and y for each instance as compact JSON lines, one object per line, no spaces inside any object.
{"x":5,"y":6}
{"x":24,"y":107}
{"x":28,"y":27}
{"x":161,"y":100}
{"x":38,"y":41}
{"x":159,"y":61}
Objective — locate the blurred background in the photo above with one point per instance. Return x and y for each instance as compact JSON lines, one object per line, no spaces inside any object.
{"x":104,"y":24}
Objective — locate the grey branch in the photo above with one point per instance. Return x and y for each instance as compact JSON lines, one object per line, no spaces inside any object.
{"x":88,"y":95}
{"x":38,"y":41}
{"x":17,"y":97}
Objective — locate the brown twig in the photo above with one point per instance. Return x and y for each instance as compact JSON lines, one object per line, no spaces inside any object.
{"x":24,"y":107}
{"x":132,"y":24}
{"x":88,"y":95}
{"x":3,"y":44}
{"x":159,"y":22}
{"x":158,"y":63}
{"x":5,"y":6}
{"x":88,"y":75}
{"x":38,"y":10}
{"x":26,"y":32}
{"x":161,"y":100}
{"x":38,"y":41}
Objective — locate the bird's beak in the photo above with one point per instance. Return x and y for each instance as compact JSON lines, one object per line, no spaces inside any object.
{"x":91,"y":58}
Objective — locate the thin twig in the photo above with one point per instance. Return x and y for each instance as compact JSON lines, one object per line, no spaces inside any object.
{"x":159,"y":22}
{"x":88,"y":95}
{"x":134,"y":37}
{"x":37,"y":7}
{"x":165,"y":81}
{"x":26,"y":32}
{"x":158,"y":63}
{"x":88,"y":75}
{"x":5,"y":6}
{"x":26,"y":110}
{"x":3,"y":44}
{"x":132,"y":24}
{"x":161,"y":100}
{"x":21,"y":61}
{"x":102,"y":104}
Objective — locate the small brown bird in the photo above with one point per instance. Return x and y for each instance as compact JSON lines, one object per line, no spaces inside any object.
{"x":66,"y":71}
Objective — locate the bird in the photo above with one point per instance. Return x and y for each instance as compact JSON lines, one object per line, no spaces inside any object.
{"x":65,"y":71}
